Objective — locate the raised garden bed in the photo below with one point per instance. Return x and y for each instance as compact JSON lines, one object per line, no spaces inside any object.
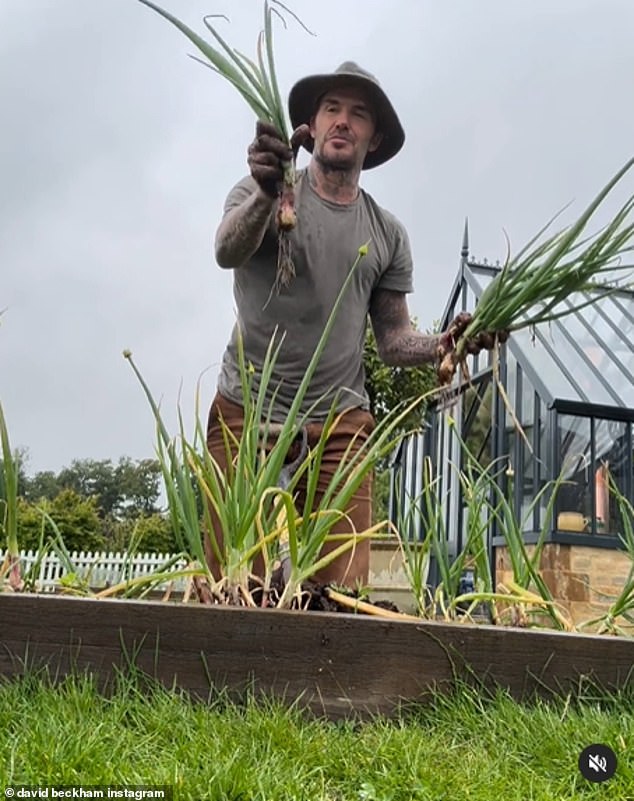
{"x":335,"y":664}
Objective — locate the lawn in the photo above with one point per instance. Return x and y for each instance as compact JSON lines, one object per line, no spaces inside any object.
{"x":464,"y":746}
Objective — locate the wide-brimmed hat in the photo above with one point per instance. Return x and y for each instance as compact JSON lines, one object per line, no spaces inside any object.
{"x":302,"y":105}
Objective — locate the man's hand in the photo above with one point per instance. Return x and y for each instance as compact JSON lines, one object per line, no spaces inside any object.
{"x":268,"y":152}
{"x":484,"y":341}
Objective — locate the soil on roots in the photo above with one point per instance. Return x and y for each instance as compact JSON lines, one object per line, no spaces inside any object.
{"x":314,"y":597}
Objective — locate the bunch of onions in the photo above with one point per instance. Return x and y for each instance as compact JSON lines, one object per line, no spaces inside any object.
{"x":257,"y":83}
{"x":532,"y":286}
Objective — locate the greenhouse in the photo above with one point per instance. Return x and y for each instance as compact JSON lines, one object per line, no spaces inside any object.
{"x":555,"y":411}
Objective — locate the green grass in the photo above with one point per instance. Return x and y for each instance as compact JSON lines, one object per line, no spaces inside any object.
{"x":460,"y":747}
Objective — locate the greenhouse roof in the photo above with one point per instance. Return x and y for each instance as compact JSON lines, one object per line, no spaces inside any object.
{"x":585,"y":358}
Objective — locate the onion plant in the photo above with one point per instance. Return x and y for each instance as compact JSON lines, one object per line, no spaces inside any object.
{"x":523,"y":598}
{"x":621,"y":609}
{"x":532,"y":285}
{"x":310,"y":531}
{"x":426,"y":508}
{"x":256,"y":81}
{"x":8,"y":509}
{"x":526,"y":596}
{"x":254,"y":512}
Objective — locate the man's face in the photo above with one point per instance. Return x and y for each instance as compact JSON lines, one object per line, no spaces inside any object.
{"x":344,"y":129}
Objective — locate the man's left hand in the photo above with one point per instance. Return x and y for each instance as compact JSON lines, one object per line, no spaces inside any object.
{"x":483,"y":341}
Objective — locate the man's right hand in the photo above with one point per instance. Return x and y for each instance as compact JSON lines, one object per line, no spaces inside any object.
{"x":266,"y":154}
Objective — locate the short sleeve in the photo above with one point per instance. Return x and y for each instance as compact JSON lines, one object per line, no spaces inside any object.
{"x":239,"y":193}
{"x":398,"y":276}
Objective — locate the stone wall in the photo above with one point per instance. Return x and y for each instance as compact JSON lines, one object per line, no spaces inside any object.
{"x":585,"y":580}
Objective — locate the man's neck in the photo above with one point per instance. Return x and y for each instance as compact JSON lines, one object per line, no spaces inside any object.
{"x":338,"y":186}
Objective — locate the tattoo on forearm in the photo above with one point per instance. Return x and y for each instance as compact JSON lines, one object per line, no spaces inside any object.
{"x":242,"y":230}
{"x":398,"y":343}
{"x":412,"y":349}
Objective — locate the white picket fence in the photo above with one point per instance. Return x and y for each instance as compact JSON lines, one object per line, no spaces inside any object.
{"x":99,"y":568}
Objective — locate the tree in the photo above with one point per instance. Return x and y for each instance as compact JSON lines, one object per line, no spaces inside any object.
{"x":76,"y":518}
{"x":44,"y":485}
{"x":151,"y":533}
{"x":123,"y":490}
{"x":93,"y":478}
{"x":139,"y":485}
{"x":96,"y":497}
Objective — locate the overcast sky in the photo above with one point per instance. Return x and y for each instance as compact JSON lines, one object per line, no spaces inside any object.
{"x":117,"y":151}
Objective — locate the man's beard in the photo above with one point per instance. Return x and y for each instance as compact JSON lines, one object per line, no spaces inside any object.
{"x":340,"y":165}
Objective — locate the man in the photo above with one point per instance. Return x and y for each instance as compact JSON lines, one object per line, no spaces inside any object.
{"x":348,"y":124}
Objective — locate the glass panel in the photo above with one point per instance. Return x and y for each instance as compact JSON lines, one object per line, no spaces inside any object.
{"x":476,"y":431}
{"x":562,"y":356}
{"x":585,"y":500}
{"x":481,"y":278}
{"x":574,"y":504}
{"x":606,"y":348}
{"x":452,"y":311}
{"x":612,"y":326}
{"x":537,"y":359}
{"x":510,"y":385}
{"x":480,"y":364}
{"x":612,"y":463}
{"x":526,"y":410}
{"x":510,"y":453}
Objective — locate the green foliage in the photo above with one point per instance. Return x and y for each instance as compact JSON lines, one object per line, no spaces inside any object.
{"x":485,"y":501}
{"x":151,"y":533}
{"x":380,"y":495}
{"x":122,"y":491}
{"x":43,"y":485}
{"x":255,"y":81}
{"x":95,"y":503}
{"x":139,"y":484}
{"x":77,"y":519}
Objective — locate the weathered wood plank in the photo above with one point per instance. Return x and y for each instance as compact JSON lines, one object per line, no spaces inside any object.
{"x":334,"y":663}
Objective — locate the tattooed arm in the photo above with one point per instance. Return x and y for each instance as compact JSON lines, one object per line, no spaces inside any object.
{"x":398,"y":343}
{"x":242,"y":230}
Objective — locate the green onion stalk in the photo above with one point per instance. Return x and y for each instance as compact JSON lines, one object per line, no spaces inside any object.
{"x":619,"y":617}
{"x":258,"y":516}
{"x":245,"y":497}
{"x":532,"y":286}
{"x":8,"y":508}
{"x":256,"y":81}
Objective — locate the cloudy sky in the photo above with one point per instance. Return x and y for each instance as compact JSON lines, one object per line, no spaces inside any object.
{"x":117,"y":151}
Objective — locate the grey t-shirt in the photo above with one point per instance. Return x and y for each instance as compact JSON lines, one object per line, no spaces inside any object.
{"x":325,"y":244}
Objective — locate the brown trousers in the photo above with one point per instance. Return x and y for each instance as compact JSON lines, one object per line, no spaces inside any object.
{"x":352,"y":568}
